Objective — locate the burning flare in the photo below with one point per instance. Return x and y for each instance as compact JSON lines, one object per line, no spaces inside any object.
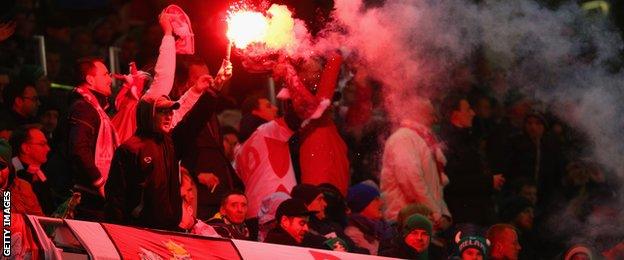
{"x":275,"y":31}
{"x":245,"y":27}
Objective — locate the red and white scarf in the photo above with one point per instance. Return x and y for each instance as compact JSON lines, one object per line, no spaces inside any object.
{"x":107,"y":140}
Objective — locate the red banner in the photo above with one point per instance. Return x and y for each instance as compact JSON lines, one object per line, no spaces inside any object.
{"x":134,"y":243}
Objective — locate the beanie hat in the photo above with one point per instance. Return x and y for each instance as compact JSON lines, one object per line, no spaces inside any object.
{"x":359,"y":196}
{"x":5,"y":151}
{"x":417,"y":221}
{"x":305,"y":192}
{"x":476,"y":242}
{"x":513,"y":207}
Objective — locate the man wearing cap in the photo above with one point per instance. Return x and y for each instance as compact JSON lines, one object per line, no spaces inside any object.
{"x":320,"y":230}
{"x":414,"y":240}
{"x":144,"y":183}
{"x":292,"y":218}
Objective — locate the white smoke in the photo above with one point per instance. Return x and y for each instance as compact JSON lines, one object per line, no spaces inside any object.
{"x":560,"y":57}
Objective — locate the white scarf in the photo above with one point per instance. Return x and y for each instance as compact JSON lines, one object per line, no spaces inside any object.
{"x":107,"y":136}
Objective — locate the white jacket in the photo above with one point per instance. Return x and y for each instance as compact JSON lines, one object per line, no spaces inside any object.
{"x":409,"y":173}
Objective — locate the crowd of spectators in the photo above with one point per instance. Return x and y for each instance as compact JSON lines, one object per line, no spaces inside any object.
{"x":467,"y":175}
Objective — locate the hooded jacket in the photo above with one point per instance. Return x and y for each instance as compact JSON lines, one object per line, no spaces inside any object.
{"x":144,"y":183}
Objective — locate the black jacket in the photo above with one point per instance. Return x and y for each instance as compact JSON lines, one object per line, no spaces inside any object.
{"x":280,"y":236}
{"x":80,"y":132}
{"x":205,"y":155}
{"x":143,"y":188}
{"x":469,"y":193}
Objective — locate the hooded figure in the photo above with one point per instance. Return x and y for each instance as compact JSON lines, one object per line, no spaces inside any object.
{"x":144,"y":183}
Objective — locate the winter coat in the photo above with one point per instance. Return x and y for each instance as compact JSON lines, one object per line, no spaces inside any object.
{"x":469,"y":193}
{"x":42,"y":189}
{"x":410,"y":173}
{"x":144,"y":183}
{"x":278,"y":235}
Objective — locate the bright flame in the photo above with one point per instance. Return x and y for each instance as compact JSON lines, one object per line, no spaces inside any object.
{"x":276,"y":30}
{"x":245,"y":27}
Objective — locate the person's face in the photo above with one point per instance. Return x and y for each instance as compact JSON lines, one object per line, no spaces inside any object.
{"x":296,"y":227}
{"x":265,"y":110}
{"x":195,"y":71}
{"x":229,"y":143}
{"x":28,"y":103}
{"x":529,"y":192}
{"x":235,"y":208}
{"x":162,"y":120}
{"x":318,"y":204}
{"x":418,"y":239}
{"x":534,"y":128}
{"x":36,"y":148}
{"x":509,"y":247}
{"x":462,"y":117}
{"x":49,"y":120}
{"x":428,"y":116}
{"x":186,"y":189}
{"x":100,"y":79}
{"x":471,"y":254}
{"x":373,"y":210}
{"x":524,"y":220}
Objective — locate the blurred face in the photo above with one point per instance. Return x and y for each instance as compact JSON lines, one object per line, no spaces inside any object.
{"x":28,"y":103}
{"x":162,"y":120}
{"x":462,"y":117}
{"x":265,"y":110}
{"x":49,"y":120}
{"x":318,"y":204}
{"x":524,"y":220}
{"x":373,"y":210}
{"x":428,"y":115}
{"x":418,"y":239}
{"x":508,"y":247}
{"x":195,"y":71}
{"x":229,"y":143}
{"x":296,"y":227}
{"x":471,"y":254}
{"x":529,"y":192}
{"x":35,"y":150}
{"x":186,"y":189}
{"x":534,"y":128}
{"x":100,"y":80}
{"x":235,"y":208}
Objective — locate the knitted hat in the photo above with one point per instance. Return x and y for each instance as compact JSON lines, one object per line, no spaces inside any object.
{"x":5,"y":151}
{"x":305,"y":192}
{"x":513,"y":207}
{"x":476,"y":242}
{"x":417,"y":221}
{"x":359,"y":196}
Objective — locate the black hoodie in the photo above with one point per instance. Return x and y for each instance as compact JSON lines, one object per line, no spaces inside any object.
{"x":143,"y":188}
